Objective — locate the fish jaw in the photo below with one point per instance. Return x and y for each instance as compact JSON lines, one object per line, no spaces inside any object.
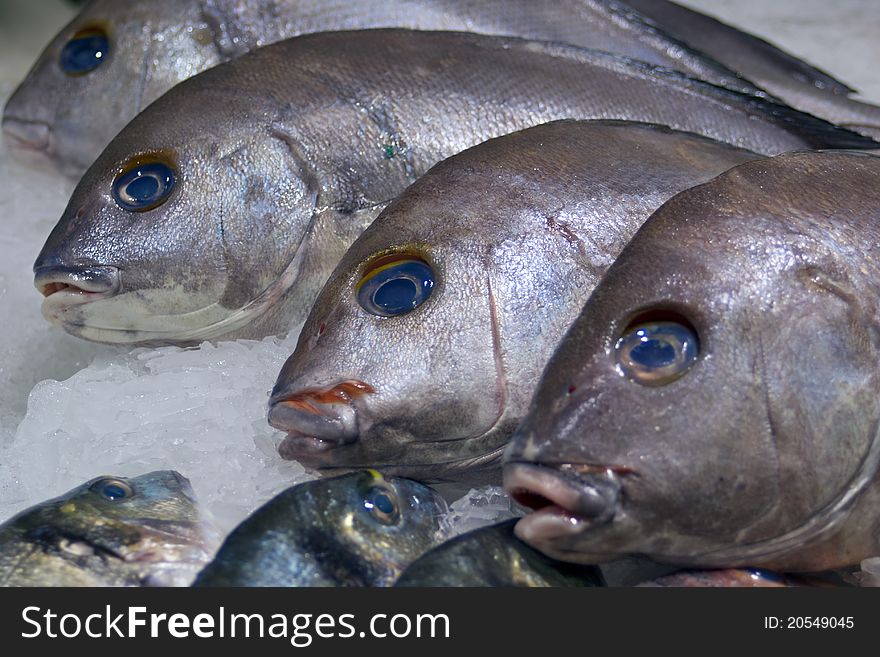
{"x":566,"y":502}
{"x":27,"y":134}
{"x":64,"y":288}
{"x":317,"y":419}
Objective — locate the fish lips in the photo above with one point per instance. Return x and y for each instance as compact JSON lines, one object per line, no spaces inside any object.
{"x":27,"y":134}
{"x":567,"y":500}
{"x":66,"y":288}
{"x":317,"y":420}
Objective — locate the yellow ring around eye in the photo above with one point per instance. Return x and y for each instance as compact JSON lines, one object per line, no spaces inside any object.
{"x":376,"y":475}
{"x":404,"y":257}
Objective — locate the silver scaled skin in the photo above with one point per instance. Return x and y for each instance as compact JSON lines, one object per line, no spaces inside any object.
{"x":111,"y":531}
{"x":764,"y":451}
{"x":358,"y":529}
{"x":518,"y":231}
{"x":283,"y":156}
{"x":71,"y":116}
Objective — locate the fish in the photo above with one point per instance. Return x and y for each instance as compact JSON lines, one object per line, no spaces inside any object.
{"x":493,"y":556}
{"x":715,"y":404}
{"x":109,"y":531}
{"x":777,"y":72}
{"x":504,"y":241}
{"x":118,"y":56}
{"x":357,"y":529}
{"x":740,"y":578}
{"x":220,"y":211}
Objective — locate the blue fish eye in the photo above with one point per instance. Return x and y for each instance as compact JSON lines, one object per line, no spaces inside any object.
{"x":143,"y":187}
{"x":381,"y":502}
{"x":85,"y":52}
{"x":394,"y":285}
{"x":112,"y":489}
{"x":656,"y":353}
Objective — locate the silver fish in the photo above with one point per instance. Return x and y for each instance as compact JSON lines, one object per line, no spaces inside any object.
{"x":493,"y":556}
{"x":783,"y":76}
{"x":512,"y":236}
{"x":716,"y":404}
{"x":359,"y":529}
{"x":118,"y":56}
{"x":110,"y":531}
{"x":222,"y":208}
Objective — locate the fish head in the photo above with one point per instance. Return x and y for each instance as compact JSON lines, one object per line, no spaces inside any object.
{"x":103,"y":68}
{"x":184,"y":229}
{"x":715,"y":402}
{"x":149,"y":523}
{"x":399,"y":364}
{"x":384,"y":518}
{"x":364,"y":526}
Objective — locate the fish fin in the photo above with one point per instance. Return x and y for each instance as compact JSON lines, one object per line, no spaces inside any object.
{"x":818,"y":133}
{"x":702,"y":25}
{"x":693,"y":59}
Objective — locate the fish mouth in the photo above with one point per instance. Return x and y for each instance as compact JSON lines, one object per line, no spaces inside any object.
{"x":66,"y":287}
{"x":566,"y":500}
{"x":316,"y":419}
{"x":27,"y":134}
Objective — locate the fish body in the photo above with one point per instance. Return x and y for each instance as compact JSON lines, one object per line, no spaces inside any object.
{"x":716,"y":403}
{"x":493,"y":556}
{"x":783,"y":76}
{"x":221,"y":209}
{"x":111,"y":531}
{"x":116,"y":57}
{"x":514,"y":234}
{"x":358,"y":529}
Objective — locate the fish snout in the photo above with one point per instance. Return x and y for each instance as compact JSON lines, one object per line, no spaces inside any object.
{"x":27,"y":134}
{"x":565,"y":500}
{"x":66,"y":286}
{"x":99,"y":279}
{"x":316,"y":419}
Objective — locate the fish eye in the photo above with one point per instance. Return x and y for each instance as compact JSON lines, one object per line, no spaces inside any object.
{"x":394,"y":285}
{"x":381,"y":502}
{"x":86,"y":51}
{"x":656,"y":351}
{"x":143,"y":186}
{"x":112,"y":489}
